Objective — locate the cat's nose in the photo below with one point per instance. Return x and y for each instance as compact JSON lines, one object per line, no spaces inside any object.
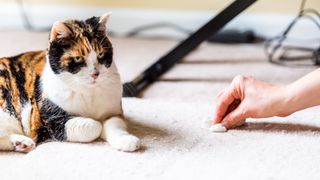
{"x":95,"y":74}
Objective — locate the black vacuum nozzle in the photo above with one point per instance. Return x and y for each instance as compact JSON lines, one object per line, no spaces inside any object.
{"x":129,"y":90}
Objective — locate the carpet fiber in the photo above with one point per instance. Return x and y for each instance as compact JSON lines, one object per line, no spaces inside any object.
{"x":171,"y":119}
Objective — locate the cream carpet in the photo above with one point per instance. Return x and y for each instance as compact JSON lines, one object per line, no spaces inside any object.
{"x":170,"y":118}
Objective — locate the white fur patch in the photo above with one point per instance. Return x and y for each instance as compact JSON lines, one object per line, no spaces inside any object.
{"x":82,"y":129}
{"x":92,"y":59}
{"x":25,"y":118}
{"x":125,"y":142}
{"x":22,"y":143}
{"x":9,"y":124}
{"x":115,"y":132}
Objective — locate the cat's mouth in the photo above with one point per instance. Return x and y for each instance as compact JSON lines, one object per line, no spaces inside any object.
{"x":93,"y":82}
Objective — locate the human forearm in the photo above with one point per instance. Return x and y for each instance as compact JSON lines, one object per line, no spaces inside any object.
{"x":303,"y":93}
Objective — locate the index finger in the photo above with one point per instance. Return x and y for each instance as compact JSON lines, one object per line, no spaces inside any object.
{"x":225,"y":100}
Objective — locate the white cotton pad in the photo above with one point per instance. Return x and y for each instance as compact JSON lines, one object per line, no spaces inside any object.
{"x":218,"y":128}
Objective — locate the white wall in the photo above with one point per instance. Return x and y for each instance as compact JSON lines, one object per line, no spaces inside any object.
{"x":123,"y":20}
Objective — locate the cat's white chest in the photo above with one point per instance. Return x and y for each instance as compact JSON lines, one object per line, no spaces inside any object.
{"x":99,"y":102}
{"x":99,"y":105}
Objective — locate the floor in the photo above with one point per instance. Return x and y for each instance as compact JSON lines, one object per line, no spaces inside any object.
{"x":171,"y":119}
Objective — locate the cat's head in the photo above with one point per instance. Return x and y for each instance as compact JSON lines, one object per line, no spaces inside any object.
{"x":80,"y":51}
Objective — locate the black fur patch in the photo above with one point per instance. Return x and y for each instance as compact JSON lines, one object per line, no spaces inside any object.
{"x":4,"y":73}
{"x":74,"y":67}
{"x":38,"y":89}
{"x":18,"y":74}
{"x":54,"y":119}
{"x":9,"y":106}
{"x":107,"y":58}
{"x":94,"y":23}
{"x":56,"y":50}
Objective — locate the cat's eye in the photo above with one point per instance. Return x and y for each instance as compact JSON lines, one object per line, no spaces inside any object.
{"x":100,"y":55}
{"x":77,"y":59}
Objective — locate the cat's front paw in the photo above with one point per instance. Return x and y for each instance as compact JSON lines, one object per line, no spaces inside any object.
{"x":22,"y":143}
{"x":125,"y":142}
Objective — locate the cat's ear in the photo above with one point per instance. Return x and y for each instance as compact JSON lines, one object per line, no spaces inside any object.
{"x":58,"y":31}
{"x":103,"y":20}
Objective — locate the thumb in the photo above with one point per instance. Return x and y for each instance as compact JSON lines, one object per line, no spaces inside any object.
{"x":234,"y":117}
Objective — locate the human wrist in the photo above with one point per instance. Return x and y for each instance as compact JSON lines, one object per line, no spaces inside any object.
{"x":287,"y":100}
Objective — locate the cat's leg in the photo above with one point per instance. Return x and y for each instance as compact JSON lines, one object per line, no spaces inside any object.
{"x":11,"y":137}
{"x":22,"y":143}
{"x":11,"y":134}
{"x":17,"y":142}
{"x":115,"y":132}
{"x":80,"y":129}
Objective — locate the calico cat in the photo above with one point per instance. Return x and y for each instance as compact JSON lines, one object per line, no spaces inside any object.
{"x":69,"y":92}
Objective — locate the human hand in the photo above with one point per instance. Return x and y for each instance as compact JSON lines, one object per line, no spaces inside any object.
{"x":247,"y":97}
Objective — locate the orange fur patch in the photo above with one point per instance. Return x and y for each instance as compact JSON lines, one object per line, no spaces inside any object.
{"x":31,"y":64}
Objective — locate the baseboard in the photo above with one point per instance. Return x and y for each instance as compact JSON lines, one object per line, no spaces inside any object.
{"x":124,"y":20}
